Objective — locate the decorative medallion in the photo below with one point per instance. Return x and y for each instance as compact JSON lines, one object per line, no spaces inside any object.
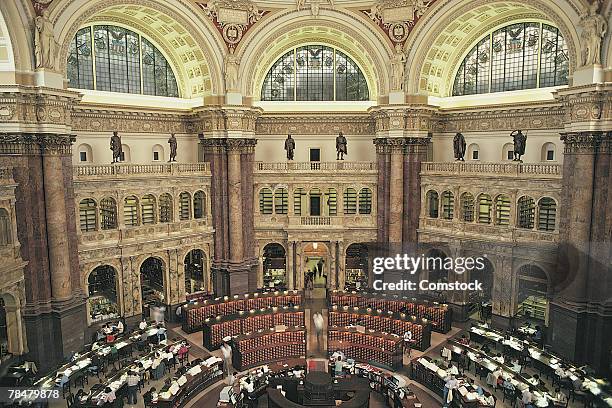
{"x":233,"y":18}
{"x":397,"y":18}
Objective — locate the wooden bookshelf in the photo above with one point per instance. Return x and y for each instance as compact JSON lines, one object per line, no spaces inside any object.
{"x":369,"y":347}
{"x":440,"y":315}
{"x":266,"y":346}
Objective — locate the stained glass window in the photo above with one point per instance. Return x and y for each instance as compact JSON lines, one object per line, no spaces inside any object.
{"x":114,"y":59}
{"x":315,"y":73}
{"x":519,"y":56}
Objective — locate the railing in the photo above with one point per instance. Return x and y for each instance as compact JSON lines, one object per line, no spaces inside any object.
{"x":314,"y":221}
{"x":140,"y":169}
{"x":315,"y":166}
{"x":508,"y":169}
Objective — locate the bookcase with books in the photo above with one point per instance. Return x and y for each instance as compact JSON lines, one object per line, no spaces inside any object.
{"x":369,"y":347}
{"x":216,"y":329}
{"x":195,"y":314}
{"x":266,"y":346}
{"x":395,"y":323}
{"x":439,"y":315}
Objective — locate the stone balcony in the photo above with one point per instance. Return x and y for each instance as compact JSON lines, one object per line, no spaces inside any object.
{"x":512,"y":169}
{"x":337,"y":167}
{"x":122,"y":171}
{"x":315,"y":223}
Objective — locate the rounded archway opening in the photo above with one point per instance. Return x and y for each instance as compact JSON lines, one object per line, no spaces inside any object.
{"x":274,"y":267}
{"x":152,"y":282}
{"x":195,"y":271}
{"x":480,"y":301}
{"x":102,"y":294}
{"x":356,"y":267}
{"x":316,"y":265}
{"x":533,"y":289}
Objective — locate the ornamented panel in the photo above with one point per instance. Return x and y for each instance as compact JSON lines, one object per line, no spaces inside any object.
{"x":311,"y":124}
{"x":233,"y":18}
{"x":397,"y":18}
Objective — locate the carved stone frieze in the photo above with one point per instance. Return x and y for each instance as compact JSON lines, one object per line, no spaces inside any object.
{"x":322,"y":124}
{"x":108,"y":120}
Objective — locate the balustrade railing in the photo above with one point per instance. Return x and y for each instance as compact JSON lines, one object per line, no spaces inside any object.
{"x":345,"y":166}
{"x":93,"y":170}
{"x":510,"y":169}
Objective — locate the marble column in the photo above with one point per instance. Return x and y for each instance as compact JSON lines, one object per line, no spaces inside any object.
{"x":396,"y":194}
{"x":289,"y":266}
{"x":57,"y":232}
{"x":235,"y":205}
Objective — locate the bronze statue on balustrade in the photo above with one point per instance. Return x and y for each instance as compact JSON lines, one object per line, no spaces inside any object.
{"x":459,"y":146}
{"x":173,"y":145}
{"x":341,"y":148}
{"x":115,"y":146}
{"x":289,"y":147}
{"x":520,"y":140}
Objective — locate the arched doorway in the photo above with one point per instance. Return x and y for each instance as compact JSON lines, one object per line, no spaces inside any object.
{"x":532,"y":299}
{"x":195,"y":271}
{"x":102,"y":294}
{"x":12,"y":339}
{"x":316,"y":265}
{"x":274,"y":267}
{"x":152,"y":282}
{"x":356,"y":267}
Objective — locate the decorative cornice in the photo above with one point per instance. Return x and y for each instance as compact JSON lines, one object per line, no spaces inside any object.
{"x":319,"y":124}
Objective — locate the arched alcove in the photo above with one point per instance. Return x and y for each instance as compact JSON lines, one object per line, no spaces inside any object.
{"x":102,"y":294}
{"x":274,"y":267}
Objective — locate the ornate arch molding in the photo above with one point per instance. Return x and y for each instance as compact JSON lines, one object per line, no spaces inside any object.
{"x":17,"y":16}
{"x":341,"y":29}
{"x":200,"y":46}
{"x":436,"y":27}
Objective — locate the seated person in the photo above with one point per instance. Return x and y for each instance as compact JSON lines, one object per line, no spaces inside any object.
{"x":485,"y":348}
{"x":499,"y":358}
{"x":62,"y":379}
{"x":108,"y":396}
{"x":120,"y":327}
{"x":527,"y":397}
{"x":535,"y":380}
{"x":148,"y":397}
{"x":560,"y":399}
{"x":464,"y":340}
{"x":508,"y":384}
{"x":560,"y":371}
{"x":142,"y":325}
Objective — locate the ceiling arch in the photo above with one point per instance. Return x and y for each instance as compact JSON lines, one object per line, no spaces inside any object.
{"x":17,"y":35}
{"x":443,"y":36}
{"x":176,"y":27}
{"x":340,"y":29}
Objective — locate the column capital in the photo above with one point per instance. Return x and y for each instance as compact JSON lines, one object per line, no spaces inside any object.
{"x":586,"y":142}
{"x":36,"y":144}
{"x":401,"y":144}
{"x":229,"y":145}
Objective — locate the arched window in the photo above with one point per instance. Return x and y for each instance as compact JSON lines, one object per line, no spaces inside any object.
{"x":467,"y":207}
{"x":331,"y":200}
{"x":432,"y":204}
{"x":448,"y":204}
{"x":147,"y":208}
{"x":265,"y":201}
{"x":130,"y":211}
{"x":518,"y":56}
{"x":484,"y":209}
{"x":547,"y":214}
{"x":120,"y":57}
{"x":199,"y":205}
{"x":508,"y":152}
{"x":502,"y":210}
{"x":473,"y":152}
{"x":108,"y":213}
{"x":85,"y":153}
{"x":185,"y":206}
{"x":350,"y":201}
{"x":365,"y":201}
{"x":102,"y":293}
{"x":165,"y":208}
{"x":281,"y":201}
{"x":299,"y":198}
{"x":6,"y":237}
{"x":549,"y":151}
{"x":87,"y":215}
{"x":314,"y":73}
{"x":526,"y":212}
{"x":158,"y":153}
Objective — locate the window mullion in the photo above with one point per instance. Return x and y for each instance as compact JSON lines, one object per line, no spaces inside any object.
{"x":490,"y":62}
{"x":539,"y":56}
{"x":295,"y":78}
{"x":93,"y":55}
{"x":140,"y":64}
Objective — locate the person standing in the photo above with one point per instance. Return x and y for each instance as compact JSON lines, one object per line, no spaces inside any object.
{"x":133,"y":380}
{"x":226,"y":350}
{"x":449,"y":386}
